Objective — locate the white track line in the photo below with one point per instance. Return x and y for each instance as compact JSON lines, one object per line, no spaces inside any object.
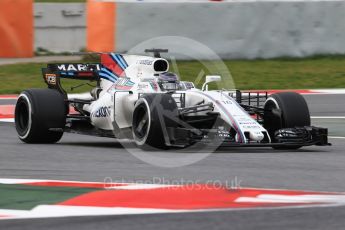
{"x":8,"y":98}
{"x":274,"y":198}
{"x":107,"y":185}
{"x":50,"y":211}
{"x":305,"y":205}
{"x":7,"y":120}
{"x":335,"y":137}
{"x":327,"y":117}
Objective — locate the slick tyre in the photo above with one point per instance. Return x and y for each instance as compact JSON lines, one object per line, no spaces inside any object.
{"x":40,"y":116}
{"x":285,"y":110}
{"x":153,"y":114}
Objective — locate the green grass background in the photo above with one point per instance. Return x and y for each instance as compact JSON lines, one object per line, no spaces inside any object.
{"x":284,"y":73}
{"x":26,"y":197}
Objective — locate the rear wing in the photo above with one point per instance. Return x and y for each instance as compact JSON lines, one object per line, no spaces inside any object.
{"x":78,"y":71}
{"x":112,"y":67}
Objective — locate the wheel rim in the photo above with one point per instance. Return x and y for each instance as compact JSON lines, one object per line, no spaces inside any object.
{"x":272,"y":119}
{"x":141,"y":122}
{"x":22,"y":116}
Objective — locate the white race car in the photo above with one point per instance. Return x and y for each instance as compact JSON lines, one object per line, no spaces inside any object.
{"x":137,"y":98}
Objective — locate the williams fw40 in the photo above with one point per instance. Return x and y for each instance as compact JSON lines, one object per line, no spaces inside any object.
{"x":137,"y":98}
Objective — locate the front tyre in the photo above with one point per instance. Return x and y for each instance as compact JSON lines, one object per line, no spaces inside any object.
{"x":40,"y":116}
{"x":152,"y":115}
{"x":285,"y":110}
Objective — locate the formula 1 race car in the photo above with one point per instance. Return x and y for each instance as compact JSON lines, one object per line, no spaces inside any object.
{"x":137,"y":98}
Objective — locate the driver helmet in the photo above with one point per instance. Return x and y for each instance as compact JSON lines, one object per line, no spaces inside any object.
{"x":168,"y":81}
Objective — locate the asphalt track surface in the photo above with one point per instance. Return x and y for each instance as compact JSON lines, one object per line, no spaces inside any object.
{"x":85,"y":158}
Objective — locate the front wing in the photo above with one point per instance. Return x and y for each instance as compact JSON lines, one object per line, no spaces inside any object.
{"x":289,"y":137}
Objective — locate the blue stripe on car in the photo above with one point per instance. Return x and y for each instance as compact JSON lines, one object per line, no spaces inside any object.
{"x":123,"y":61}
{"x":117,"y":60}
{"x":110,"y":73}
{"x":107,"y":77}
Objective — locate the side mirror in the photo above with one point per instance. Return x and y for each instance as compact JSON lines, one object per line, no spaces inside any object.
{"x":209,"y":79}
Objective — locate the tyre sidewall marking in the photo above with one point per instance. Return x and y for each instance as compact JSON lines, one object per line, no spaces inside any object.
{"x":26,"y":98}
{"x":274,"y":101}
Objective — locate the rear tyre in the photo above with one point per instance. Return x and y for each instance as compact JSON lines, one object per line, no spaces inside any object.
{"x":37,"y":112}
{"x":153,"y":113}
{"x":285,"y":110}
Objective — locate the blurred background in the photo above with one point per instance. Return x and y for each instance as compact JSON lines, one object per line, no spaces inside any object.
{"x":265,"y":44}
